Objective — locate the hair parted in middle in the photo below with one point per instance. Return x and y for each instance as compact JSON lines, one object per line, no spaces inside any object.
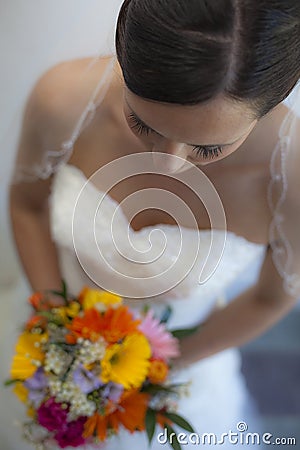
{"x":188,"y":52}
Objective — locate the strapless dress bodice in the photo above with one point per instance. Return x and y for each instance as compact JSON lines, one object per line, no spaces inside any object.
{"x":100,"y":248}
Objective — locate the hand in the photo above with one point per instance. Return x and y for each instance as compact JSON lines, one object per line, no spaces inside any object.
{"x":56,"y":301}
{"x":45,"y":301}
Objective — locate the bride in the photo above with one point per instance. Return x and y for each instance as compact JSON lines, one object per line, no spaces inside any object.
{"x":173,"y":136}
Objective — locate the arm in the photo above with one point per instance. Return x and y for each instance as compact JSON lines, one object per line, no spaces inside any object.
{"x":245,"y":318}
{"x":51,"y":113}
{"x":28,"y":200}
{"x":30,"y":222}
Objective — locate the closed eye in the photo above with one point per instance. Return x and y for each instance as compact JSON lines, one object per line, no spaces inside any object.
{"x":137,"y":125}
{"x":208,"y":152}
{"x":205,"y":152}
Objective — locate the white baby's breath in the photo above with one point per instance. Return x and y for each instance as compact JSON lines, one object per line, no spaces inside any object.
{"x":91,"y":352}
{"x":80,"y":406}
{"x":56,"y":360}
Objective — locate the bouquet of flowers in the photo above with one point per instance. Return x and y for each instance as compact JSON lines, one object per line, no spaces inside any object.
{"x":89,"y":367}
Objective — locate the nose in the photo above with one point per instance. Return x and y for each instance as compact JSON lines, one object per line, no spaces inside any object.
{"x":169,"y":156}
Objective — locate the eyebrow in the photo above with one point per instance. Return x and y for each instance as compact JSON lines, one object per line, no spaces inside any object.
{"x":192,"y":145}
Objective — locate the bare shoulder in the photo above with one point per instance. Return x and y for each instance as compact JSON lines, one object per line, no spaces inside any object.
{"x":63,"y":90}
{"x":52,"y":110}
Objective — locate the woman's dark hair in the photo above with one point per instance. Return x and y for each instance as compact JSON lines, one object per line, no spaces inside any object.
{"x":189,"y":51}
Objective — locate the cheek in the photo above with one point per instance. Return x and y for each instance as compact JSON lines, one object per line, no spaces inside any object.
{"x":238,"y":144}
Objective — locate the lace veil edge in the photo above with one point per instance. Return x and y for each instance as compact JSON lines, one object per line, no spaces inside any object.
{"x":284,"y":198}
{"x":40,"y":163}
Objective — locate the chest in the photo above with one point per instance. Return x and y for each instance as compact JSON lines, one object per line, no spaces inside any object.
{"x":241,"y":188}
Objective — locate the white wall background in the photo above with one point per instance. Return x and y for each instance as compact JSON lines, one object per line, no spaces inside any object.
{"x":34,"y":35}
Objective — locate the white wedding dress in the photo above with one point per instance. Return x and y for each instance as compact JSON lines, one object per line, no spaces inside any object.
{"x":218,"y":398}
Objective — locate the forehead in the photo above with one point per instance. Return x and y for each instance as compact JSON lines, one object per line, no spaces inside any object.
{"x":219,"y":120}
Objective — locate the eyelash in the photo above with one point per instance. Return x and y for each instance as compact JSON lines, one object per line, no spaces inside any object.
{"x":139,"y":126}
{"x":208,"y":152}
{"x":204,"y":152}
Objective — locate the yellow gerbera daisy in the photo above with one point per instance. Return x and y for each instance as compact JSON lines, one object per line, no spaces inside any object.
{"x":127,"y":363}
{"x":29,"y":355}
{"x":21,"y":392}
{"x":92,"y":298}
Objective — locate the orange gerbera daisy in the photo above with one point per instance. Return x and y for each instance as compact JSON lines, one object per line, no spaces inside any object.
{"x":113,"y":325}
{"x":118,"y":323}
{"x":133,"y":410}
{"x":130,"y":413}
{"x":87,"y":326}
{"x":158,"y":371}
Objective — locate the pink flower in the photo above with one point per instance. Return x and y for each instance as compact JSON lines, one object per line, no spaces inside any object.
{"x":51,"y":415}
{"x":71,"y":434}
{"x":164,"y":346}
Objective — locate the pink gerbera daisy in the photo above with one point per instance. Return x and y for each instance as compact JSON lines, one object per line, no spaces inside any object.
{"x":163,"y":345}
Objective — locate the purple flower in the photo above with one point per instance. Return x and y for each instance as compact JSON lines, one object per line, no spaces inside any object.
{"x":71,"y":434}
{"x":86,"y":380}
{"x":51,"y":415}
{"x":113,"y":391}
{"x":36,"y":386}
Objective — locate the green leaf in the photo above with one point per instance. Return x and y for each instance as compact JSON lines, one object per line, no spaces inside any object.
{"x":166,"y":314}
{"x":59,"y":293}
{"x":48,"y":315}
{"x":182,"y":333}
{"x":145,"y":309}
{"x":52,"y":318}
{"x":173,"y":441}
{"x":155,"y":388}
{"x":11,"y":382}
{"x":180,"y":421}
{"x":63,"y":293}
{"x":64,"y":290}
{"x":150,"y":424}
